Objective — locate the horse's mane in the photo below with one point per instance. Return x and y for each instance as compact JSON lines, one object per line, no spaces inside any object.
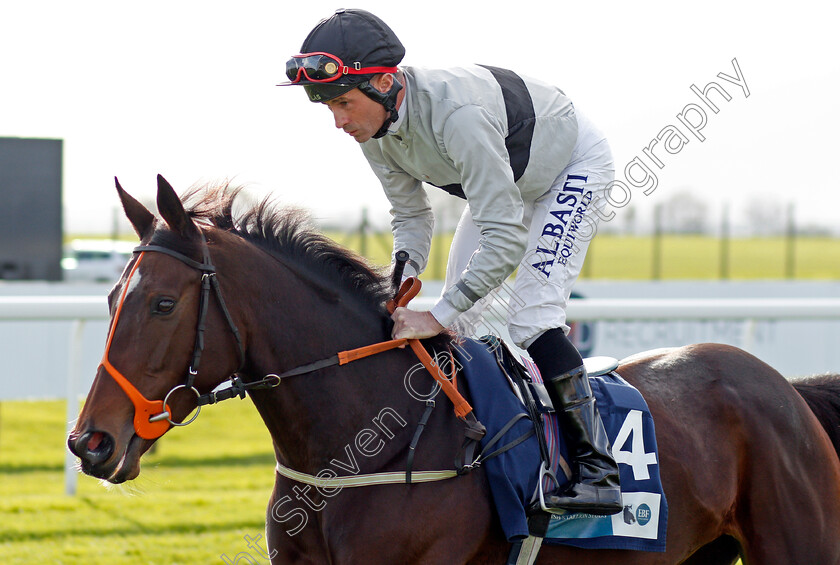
{"x":287,"y":234}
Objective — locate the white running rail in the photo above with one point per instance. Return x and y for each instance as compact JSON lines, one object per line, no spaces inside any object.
{"x":81,"y":309}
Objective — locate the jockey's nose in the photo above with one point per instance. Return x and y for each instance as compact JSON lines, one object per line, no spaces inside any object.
{"x":340,"y":118}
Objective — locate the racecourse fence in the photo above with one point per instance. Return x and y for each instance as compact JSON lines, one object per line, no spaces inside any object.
{"x":76,"y":315}
{"x":771,"y":250}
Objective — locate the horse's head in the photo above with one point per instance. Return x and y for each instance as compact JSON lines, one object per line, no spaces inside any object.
{"x":149,"y":378}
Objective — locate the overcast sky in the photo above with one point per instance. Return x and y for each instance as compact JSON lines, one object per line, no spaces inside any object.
{"x":185,"y":88}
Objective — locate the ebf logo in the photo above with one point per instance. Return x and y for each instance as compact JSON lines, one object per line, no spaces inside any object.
{"x":643,"y":514}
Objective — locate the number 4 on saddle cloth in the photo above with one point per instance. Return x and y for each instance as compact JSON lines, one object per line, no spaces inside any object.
{"x":496,"y":381}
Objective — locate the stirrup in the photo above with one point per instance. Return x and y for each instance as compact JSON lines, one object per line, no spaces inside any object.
{"x":545,"y":471}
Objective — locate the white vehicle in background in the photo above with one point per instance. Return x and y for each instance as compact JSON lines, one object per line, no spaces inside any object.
{"x":95,"y":260}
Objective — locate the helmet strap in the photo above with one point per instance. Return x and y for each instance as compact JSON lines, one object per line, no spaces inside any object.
{"x":387,"y":99}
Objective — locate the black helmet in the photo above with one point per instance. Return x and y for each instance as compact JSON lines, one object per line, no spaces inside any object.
{"x":344,"y":52}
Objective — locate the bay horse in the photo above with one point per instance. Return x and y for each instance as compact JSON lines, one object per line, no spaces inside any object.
{"x":747,"y":467}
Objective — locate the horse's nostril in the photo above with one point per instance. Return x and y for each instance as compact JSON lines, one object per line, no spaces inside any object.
{"x":94,"y":447}
{"x":94,"y":441}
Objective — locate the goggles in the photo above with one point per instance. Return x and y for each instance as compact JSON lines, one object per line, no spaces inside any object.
{"x":325,"y":67}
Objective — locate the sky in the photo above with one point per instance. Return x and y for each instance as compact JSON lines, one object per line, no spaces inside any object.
{"x":186,"y":88}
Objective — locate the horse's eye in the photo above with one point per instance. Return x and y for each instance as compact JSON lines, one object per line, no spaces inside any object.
{"x":163,"y":305}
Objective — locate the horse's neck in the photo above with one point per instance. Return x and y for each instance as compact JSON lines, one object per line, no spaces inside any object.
{"x":318,"y":417}
{"x":340,"y":416}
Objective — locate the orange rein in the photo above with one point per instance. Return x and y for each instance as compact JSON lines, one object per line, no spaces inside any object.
{"x":409,"y":289}
{"x":448,"y":383}
{"x":152,"y":417}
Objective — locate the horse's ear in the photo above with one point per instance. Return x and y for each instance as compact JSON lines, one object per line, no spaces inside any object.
{"x":141,"y":219}
{"x":170,"y":207}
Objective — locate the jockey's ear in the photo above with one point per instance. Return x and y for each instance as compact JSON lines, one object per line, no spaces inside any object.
{"x":141,"y":219}
{"x":170,"y":207}
{"x":383,"y":82}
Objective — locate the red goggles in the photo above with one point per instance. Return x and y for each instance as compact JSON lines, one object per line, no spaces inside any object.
{"x":325,"y":67}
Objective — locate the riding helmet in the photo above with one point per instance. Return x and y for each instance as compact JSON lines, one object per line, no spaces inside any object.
{"x":361,"y":42}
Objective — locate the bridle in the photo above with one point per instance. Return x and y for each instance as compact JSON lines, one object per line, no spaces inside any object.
{"x":152,"y":418}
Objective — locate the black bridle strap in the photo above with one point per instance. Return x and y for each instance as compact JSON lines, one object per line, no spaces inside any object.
{"x":310,"y":367}
{"x":205,"y":266}
{"x":208,"y":280}
{"x":240,"y":349}
{"x":203,"y":302}
{"x":237,"y":388}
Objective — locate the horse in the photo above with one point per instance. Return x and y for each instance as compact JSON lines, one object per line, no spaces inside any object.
{"x":748,"y":468}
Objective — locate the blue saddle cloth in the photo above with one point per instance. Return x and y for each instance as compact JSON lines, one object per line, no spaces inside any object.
{"x":513,"y":475}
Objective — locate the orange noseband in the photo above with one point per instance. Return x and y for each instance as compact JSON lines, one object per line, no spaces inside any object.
{"x":151,"y":417}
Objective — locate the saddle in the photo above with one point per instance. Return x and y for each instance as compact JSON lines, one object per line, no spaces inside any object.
{"x":523,"y":452}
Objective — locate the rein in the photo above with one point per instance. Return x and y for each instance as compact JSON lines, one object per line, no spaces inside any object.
{"x":409,"y":289}
{"x":152,"y":418}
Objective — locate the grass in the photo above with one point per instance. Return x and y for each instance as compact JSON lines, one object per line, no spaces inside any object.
{"x":199,"y":495}
{"x":672,"y":257}
{"x":680,"y":257}
{"x":203,"y":490}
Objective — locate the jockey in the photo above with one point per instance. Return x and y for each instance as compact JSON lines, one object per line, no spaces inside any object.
{"x":532,"y":169}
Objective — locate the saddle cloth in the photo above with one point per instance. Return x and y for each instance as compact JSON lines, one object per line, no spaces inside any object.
{"x":513,"y":475}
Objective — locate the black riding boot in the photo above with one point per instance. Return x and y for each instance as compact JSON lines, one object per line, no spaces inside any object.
{"x":595,"y":486}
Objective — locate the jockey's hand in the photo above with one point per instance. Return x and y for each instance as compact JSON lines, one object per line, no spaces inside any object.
{"x":411,"y":324}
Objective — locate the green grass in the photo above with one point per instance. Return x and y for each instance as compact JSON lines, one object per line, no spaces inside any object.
{"x":703,"y":258}
{"x":684,"y":257}
{"x":679,"y":257}
{"x":204,"y":489}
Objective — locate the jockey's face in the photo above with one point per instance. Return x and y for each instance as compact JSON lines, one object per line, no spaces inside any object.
{"x":357,"y":114}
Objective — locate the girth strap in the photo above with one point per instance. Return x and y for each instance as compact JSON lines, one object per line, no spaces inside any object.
{"x":387,"y":478}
